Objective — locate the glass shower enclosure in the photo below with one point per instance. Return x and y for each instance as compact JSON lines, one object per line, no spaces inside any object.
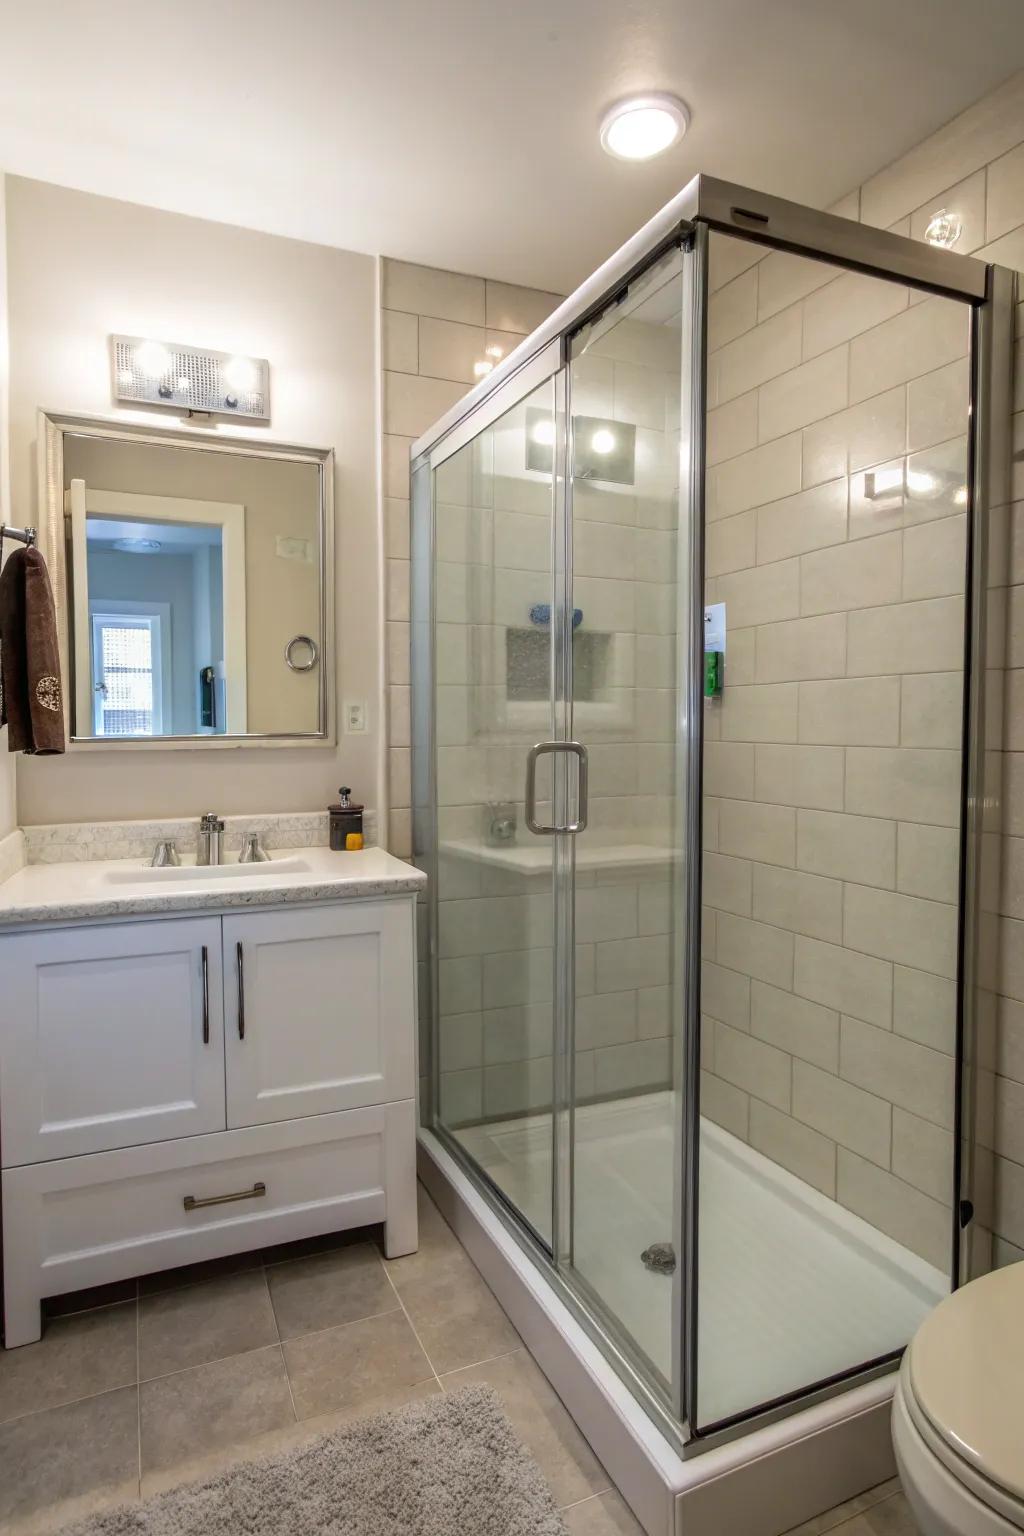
{"x":697,"y":647}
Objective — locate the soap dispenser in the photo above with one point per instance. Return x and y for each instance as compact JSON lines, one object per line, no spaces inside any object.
{"x":346,"y":823}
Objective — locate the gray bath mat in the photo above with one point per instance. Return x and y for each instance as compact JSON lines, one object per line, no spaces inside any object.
{"x":450,"y":1465}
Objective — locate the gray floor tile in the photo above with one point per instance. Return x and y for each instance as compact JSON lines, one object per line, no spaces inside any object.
{"x":436,"y":1241}
{"x":329,"y":1289}
{"x":606,"y":1514}
{"x":842,"y":1514}
{"x":542,"y":1423}
{"x":194,"y":1412}
{"x":455,"y":1314}
{"x":890,"y":1517}
{"x":69,"y":1453}
{"x":276,"y":1441}
{"x":345,"y":1367}
{"x":76,"y":1357}
{"x":182,"y":1328}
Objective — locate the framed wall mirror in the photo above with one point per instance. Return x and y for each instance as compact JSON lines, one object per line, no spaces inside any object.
{"x":193,"y":574}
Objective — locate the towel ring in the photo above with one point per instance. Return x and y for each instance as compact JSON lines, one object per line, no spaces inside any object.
{"x":314,"y":653}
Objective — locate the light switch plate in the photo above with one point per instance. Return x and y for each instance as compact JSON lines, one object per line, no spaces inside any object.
{"x":354,"y":715}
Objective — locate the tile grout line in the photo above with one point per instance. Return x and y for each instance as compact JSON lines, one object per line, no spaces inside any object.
{"x":280,"y":1344}
{"x":409,"y":1320}
{"x":138,"y":1386}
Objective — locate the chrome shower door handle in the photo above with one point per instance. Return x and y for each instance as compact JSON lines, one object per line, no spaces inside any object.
{"x":577,"y":750}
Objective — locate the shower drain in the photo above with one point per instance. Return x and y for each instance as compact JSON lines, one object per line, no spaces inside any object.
{"x":661,"y":1257}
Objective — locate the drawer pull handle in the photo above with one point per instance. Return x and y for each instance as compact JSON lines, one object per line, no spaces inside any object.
{"x":241,"y":991}
{"x":206,"y":996}
{"x":192,"y":1204}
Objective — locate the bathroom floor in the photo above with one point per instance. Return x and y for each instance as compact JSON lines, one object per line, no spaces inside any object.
{"x":193,"y":1369}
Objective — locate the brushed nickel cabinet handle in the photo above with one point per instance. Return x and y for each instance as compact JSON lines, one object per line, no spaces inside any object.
{"x":241,"y":990}
{"x":206,"y":996}
{"x":191,"y":1203}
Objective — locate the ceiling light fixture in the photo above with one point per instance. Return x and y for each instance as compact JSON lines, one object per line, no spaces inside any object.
{"x":640,"y":127}
{"x":603,"y":441}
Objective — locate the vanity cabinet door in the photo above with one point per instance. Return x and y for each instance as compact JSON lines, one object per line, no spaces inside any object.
{"x":110,"y":1036}
{"x":318,"y":1010}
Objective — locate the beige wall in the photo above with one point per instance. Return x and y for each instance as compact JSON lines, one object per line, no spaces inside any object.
{"x":81,"y":267}
{"x":8,"y":817}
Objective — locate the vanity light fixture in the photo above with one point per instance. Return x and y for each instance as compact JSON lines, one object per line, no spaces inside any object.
{"x":192,"y":381}
{"x":944,"y":229}
{"x":640,"y":127}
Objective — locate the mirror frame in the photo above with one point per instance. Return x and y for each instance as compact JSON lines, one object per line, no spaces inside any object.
{"x":54,"y":426}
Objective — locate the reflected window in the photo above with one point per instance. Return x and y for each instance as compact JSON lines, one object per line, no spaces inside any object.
{"x":127,"y":682}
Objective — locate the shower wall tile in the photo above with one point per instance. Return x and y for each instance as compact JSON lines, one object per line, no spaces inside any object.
{"x":799,"y":776}
{"x":795,"y":1146}
{"x":850,"y":712}
{"x":759,"y":1069}
{"x":804,"y":1029}
{"x":851,"y":1117}
{"x":894,"y":1207}
{"x":428,"y":291}
{"x":861,"y":849}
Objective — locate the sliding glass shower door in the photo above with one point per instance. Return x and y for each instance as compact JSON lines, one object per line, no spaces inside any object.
{"x":562,"y":637}
{"x":495,"y":608}
{"x":629,"y":536}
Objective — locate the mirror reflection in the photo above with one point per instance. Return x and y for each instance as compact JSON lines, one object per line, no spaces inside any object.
{"x":195,"y":590}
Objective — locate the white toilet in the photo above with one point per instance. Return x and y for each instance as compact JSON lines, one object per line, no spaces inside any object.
{"x":958,"y":1411}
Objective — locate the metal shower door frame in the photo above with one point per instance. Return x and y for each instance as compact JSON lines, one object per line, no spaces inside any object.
{"x":704,"y":206}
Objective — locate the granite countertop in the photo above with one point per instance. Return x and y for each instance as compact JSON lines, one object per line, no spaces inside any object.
{"x":63,"y":892}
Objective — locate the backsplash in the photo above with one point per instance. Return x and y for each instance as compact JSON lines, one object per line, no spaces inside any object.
{"x":80,"y":842}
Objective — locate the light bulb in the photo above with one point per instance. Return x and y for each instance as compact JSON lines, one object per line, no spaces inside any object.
{"x":182,"y":382}
{"x":944,"y":229}
{"x":603,"y":441}
{"x":239,"y":374}
{"x":643,"y":126}
{"x":153,"y":359}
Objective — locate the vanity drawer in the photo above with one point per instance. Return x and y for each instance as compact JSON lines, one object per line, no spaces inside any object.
{"x":88,"y":1220}
{"x":110,"y":1036}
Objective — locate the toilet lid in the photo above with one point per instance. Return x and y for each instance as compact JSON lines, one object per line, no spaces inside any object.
{"x":967,"y":1375}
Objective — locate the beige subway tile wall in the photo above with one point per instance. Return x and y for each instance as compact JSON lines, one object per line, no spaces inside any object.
{"x":827,"y":391}
{"x":436,"y":327}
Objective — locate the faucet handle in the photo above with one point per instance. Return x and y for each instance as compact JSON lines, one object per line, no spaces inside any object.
{"x":252,"y":852}
{"x":165,"y":853}
{"x":211,"y":822}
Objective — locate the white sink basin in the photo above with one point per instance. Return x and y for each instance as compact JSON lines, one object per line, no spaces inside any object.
{"x":292,"y":863}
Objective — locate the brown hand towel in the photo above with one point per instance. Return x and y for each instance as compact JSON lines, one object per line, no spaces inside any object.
{"x":31,"y":705}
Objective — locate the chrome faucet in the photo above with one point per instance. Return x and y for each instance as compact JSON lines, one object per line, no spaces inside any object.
{"x":211,"y":839}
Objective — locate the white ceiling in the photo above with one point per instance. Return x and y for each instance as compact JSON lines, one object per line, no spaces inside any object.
{"x":463,"y":133}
